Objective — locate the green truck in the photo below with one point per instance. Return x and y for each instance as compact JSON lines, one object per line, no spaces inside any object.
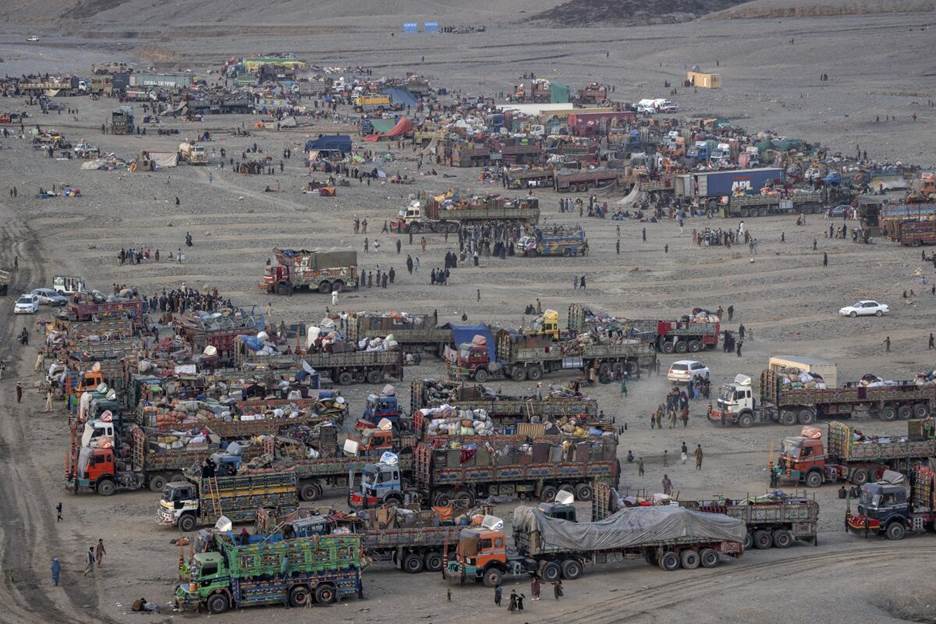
{"x":272,"y":570}
{"x":201,"y":500}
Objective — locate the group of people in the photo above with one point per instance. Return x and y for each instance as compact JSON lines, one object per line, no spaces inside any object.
{"x":384,"y":278}
{"x":516,"y":598}
{"x":675,"y":407}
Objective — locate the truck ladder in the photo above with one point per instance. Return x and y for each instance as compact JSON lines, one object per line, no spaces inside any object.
{"x":529,"y":410}
{"x":213,"y":495}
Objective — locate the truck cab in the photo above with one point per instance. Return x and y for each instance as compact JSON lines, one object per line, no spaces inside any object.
{"x":207,"y":574}
{"x":474,"y":359}
{"x":179,"y":505}
{"x":735,"y":403}
{"x":803,"y":460}
{"x":97,"y":432}
{"x":96,"y":470}
{"x":883,"y":508}
{"x":380,"y":484}
{"x":380,"y":406}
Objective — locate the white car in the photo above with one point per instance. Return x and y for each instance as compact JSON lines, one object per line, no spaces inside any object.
{"x":49,"y":296}
{"x":26,"y":304}
{"x":684,"y":370}
{"x":865,"y":308}
{"x":32,"y":38}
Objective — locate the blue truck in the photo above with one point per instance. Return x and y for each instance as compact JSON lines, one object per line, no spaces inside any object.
{"x":705,"y":184}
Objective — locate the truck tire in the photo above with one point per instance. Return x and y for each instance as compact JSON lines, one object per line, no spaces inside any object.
{"x":548,"y":493}
{"x":667,"y":347}
{"x":415,"y":228}
{"x":442,"y":499}
{"x":551,"y":572}
{"x":217,"y":603}
{"x":669,"y":561}
{"x":412,"y":563}
{"x":605,"y":370}
{"x":492,"y":577}
{"x":896,"y":531}
{"x":337,"y":285}
{"x":814,"y":479}
{"x":920,"y":410}
{"x":709,"y":557}
{"x":157,"y":482}
{"x":299,"y":596}
{"x":324,"y":287}
{"x":534,"y":373}
{"x":787,"y":417}
{"x":572,"y":569}
{"x":106,"y":487}
{"x":681,"y":346}
{"x":859,"y":476}
{"x":393,"y":500}
{"x":481,"y":375}
{"x":345,"y":378}
{"x":632,"y":368}
{"x":695,"y":346}
{"x":463,"y":499}
{"x":374,"y":376}
{"x":745,"y":420}
{"x":904,"y":412}
{"x":888,"y":413}
{"x":748,"y":541}
{"x":187,"y":523}
{"x":584,"y":492}
{"x":433,"y":561}
{"x":518,"y":373}
{"x":806,"y":417}
{"x":783,"y":538}
{"x":309,"y":492}
{"x":689,"y":559}
{"x":762,"y":540}
{"x":325,"y":593}
{"x":284,"y":289}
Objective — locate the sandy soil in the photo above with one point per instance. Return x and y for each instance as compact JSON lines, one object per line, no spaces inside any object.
{"x":786,"y":297}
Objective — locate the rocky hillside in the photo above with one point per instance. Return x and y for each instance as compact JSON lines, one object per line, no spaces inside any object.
{"x":628,"y":12}
{"x":819,"y":8}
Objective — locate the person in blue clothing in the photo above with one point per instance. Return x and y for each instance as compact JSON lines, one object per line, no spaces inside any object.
{"x":56,"y":571}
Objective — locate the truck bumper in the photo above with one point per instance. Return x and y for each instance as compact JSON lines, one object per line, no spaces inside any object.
{"x":165,"y":517}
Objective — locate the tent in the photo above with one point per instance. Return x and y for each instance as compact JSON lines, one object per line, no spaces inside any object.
{"x":402,"y":127}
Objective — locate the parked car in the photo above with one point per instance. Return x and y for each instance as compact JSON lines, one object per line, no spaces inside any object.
{"x":840,"y":211}
{"x":684,"y":370}
{"x":865,"y":308}
{"x":49,"y":296}
{"x":26,"y":304}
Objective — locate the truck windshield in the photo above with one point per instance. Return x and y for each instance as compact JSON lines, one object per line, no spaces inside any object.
{"x":870,"y":500}
{"x":370,"y":477}
{"x":173,"y":494}
{"x":726,"y":393}
{"x":791,"y":448}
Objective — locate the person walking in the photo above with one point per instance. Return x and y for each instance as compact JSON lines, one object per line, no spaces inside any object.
{"x":825,"y":259}
{"x":498,"y":595}
{"x":89,"y":568}
{"x":624,"y":383}
{"x":512,"y":605}
{"x":640,"y":467}
{"x":49,"y":395}
{"x":887,"y":343}
{"x":19,"y":390}
{"x":56,"y":570}
{"x":665,"y":458}
{"x":535,"y":587}
{"x":58,"y":511}
{"x":932,"y":343}
{"x":520,"y":598}
{"x":698,"y":457}
{"x":684,"y":453}
{"x":667,"y":485}
{"x":99,"y":552}
{"x":738,"y":349}
{"x":557,"y":589}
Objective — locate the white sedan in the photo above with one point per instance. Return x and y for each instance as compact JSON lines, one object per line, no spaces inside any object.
{"x":865,"y":308}
{"x":684,"y":370}
{"x":26,"y":304}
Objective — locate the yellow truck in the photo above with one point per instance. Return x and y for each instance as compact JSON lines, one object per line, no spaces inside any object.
{"x":371,"y":102}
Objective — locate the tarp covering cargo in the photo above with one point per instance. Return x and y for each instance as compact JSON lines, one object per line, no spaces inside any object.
{"x":403,"y":126}
{"x":636,"y":526}
{"x":466,"y":333}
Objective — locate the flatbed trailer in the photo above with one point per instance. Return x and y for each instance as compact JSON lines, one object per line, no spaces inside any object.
{"x":343,"y":368}
{"x":415,"y":333}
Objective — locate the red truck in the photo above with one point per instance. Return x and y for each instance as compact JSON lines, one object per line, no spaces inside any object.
{"x":85,"y":307}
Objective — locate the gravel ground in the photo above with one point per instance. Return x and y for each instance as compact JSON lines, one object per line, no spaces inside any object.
{"x":786,"y":297}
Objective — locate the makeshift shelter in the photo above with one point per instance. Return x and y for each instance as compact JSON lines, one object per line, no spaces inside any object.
{"x":703,"y":80}
{"x":402,"y":127}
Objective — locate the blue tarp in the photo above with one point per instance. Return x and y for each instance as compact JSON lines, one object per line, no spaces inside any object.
{"x":400,"y":96}
{"x":464,"y":333}
{"x":330,"y":143}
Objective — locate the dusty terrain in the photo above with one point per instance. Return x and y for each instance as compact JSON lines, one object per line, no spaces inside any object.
{"x":786,"y":297}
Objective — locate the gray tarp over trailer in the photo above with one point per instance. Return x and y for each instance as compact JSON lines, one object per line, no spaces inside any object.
{"x":631,"y":527}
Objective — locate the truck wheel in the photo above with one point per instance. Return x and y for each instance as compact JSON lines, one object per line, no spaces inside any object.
{"x":782,"y":538}
{"x":806,"y":417}
{"x":412,"y":563}
{"x":492,"y":577}
{"x":310,"y":492}
{"x":920,"y":410}
{"x":689,"y":559}
{"x":632,"y":368}
{"x":551,"y":572}
{"x":787,"y":417}
{"x":463,"y":499}
{"x":415,"y":228}
{"x":548,"y":493}
{"x":345,"y":378}
{"x":481,"y":375}
{"x":650,"y":556}
{"x":888,"y":413}
{"x":572,"y":569}
{"x":667,"y":347}
{"x":896,"y":531}
{"x":433,"y":561}
{"x":681,"y":346}
{"x":325,"y":594}
{"x":669,"y":561}
{"x":442,"y":499}
{"x":748,"y":541}
{"x":518,"y":373}
{"x":337,"y":285}
{"x":157,"y":482}
{"x":584,"y":492}
{"x":106,"y":487}
{"x":375,"y":376}
{"x":762,"y":540}
{"x":283,"y":289}
{"x":859,"y":476}
{"x":695,"y":346}
{"x":299,"y":596}
{"x":534,"y":373}
{"x":708,"y":557}
{"x":814,"y":479}
{"x":187,"y":523}
{"x":324,"y":287}
{"x":904,"y":412}
{"x":745,"y":420}
{"x":217,"y":603}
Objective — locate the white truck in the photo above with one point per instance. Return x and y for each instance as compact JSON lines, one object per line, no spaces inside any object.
{"x":193,"y":153}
